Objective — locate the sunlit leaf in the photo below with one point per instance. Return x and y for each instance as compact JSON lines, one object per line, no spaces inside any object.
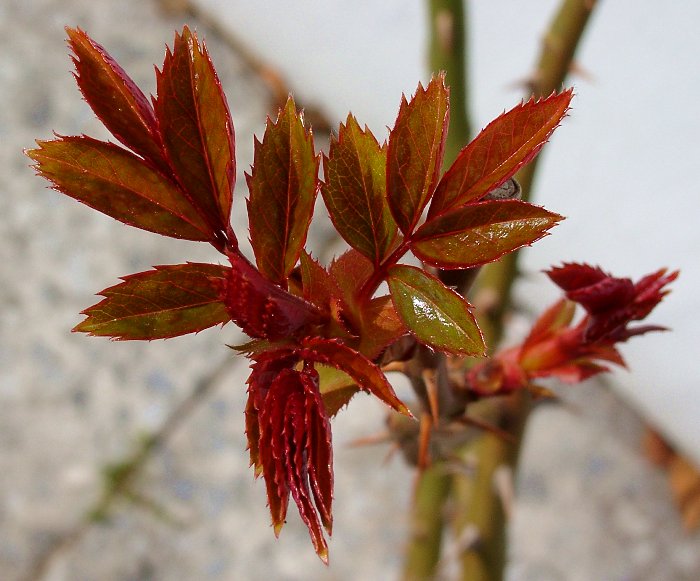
{"x":197,"y":129}
{"x":118,"y":183}
{"x":355,"y":191}
{"x":505,"y":145}
{"x":337,"y":388}
{"x":283,"y":187}
{"x":415,"y":152}
{"x":366,"y":374}
{"x":436,"y":315}
{"x":479,"y":233}
{"x":115,"y":98}
{"x":161,"y":303}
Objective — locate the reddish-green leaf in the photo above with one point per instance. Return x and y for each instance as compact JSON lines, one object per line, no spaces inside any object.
{"x":505,"y":145}
{"x":355,"y":191}
{"x":479,"y":233}
{"x":381,"y":326}
{"x":158,"y":304}
{"x":283,"y":188}
{"x":337,"y":388}
{"x":365,"y":373}
{"x":197,"y":128}
{"x":436,"y":315}
{"x":118,"y":183}
{"x":415,"y":152}
{"x":316,"y":282}
{"x":115,"y":98}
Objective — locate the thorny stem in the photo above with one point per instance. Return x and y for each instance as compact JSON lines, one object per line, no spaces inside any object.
{"x":475,"y":503}
{"x":487,"y":559}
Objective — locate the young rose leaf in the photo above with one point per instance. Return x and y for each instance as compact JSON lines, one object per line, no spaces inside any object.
{"x":365,"y":373}
{"x":380,"y":327}
{"x":337,"y":388}
{"x":161,"y":303}
{"x":118,"y":183}
{"x":316,"y":282}
{"x":415,"y":152}
{"x":115,"y":98}
{"x":197,"y":128}
{"x":436,"y":315}
{"x":283,"y":187}
{"x":503,"y":147}
{"x":355,"y":191}
{"x":262,"y":309}
{"x":480,"y":233}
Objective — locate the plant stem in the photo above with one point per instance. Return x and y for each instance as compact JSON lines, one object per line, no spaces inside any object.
{"x":484,"y":509}
{"x":448,"y":50}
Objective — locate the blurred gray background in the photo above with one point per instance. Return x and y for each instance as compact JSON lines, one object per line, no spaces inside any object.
{"x":621,"y":167}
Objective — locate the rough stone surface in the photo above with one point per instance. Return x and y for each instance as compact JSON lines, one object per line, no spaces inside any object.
{"x":588,"y":506}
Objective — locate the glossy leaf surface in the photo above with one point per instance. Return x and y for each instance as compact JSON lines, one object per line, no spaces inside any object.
{"x":197,"y":129}
{"x":480,"y":233}
{"x":158,"y":304}
{"x":116,"y":182}
{"x":365,"y":373}
{"x":283,"y":189}
{"x":355,"y":191}
{"x":436,"y":315}
{"x":415,"y":152}
{"x":115,"y":98}
{"x":503,"y":147}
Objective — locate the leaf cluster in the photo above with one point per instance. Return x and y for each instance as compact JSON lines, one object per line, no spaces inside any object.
{"x":318,"y":333}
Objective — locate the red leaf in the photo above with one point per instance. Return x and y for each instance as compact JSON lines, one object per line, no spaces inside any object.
{"x":283,"y":188}
{"x":365,"y":373}
{"x":415,"y":152}
{"x":349,"y":272}
{"x":505,"y":145}
{"x":553,"y":320}
{"x":480,"y":233}
{"x":119,"y":184}
{"x":158,"y":304}
{"x":115,"y":98}
{"x":263,"y":310}
{"x":295,"y":452}
{"x":197,"y":129}
{"x":436,"y":315}
{"x":355,"y":191}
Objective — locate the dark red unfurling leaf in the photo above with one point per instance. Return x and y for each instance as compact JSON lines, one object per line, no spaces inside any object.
{"x":503,"y":147}
{"x":612,"y":302}
{"x":415,"y":152}
{"x":436,"y":315}
{"x":115,"y":181}
{"x":115,"y":98}
{"x":355,"y":191}
{"x":295,"y":452}
{"x":197,"y":129}
{"x":366,"y":374}
{"x":262,"y":309}
{"x":283,"y":186}
{"x":479,"y":233}
{"x":161,"y":303}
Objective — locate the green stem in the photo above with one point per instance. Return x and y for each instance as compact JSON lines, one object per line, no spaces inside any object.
{"x":448,"y":50}
{"x":486,"y":559}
